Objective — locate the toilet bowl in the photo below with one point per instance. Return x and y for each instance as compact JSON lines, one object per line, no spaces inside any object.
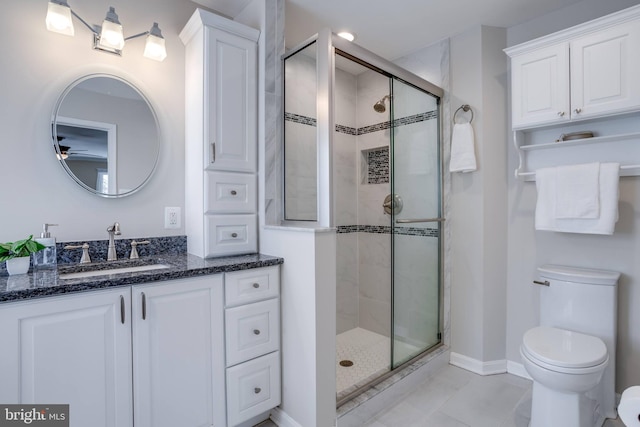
{"x":564,"y":365}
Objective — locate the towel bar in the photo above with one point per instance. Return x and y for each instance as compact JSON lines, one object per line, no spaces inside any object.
{"x":623,"y":168}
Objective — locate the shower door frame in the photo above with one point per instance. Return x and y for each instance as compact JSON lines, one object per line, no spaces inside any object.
{"x":327,"y":43}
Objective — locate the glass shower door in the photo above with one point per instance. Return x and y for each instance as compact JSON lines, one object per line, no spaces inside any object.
{"x":417,"y":226}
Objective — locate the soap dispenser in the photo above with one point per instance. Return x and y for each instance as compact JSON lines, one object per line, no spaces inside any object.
{"x":46,"y":258}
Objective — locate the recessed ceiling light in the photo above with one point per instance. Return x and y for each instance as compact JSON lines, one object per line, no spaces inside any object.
{"x":347,"y":35}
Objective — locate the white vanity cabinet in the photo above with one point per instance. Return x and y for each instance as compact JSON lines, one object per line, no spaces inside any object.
{"x":220,"y":135}
{"x":252,"y":319}
{"x":73,"y":349}
{"x":583,"y":72}
{"x":177,"y":353}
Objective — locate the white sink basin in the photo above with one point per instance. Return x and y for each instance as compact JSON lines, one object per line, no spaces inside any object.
{"x":138,"y":268}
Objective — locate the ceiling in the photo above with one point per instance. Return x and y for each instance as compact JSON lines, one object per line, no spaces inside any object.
{"x":393,"y":29}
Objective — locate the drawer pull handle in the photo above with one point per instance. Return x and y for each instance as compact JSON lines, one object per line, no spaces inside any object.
{"x":560,"y":113}
{"x":257,"y":390}
{"x":234,"y":235}
{"x":578,"y":110}
{"x":256,"y":285}
{"x":144,"y":306}
{"x":256,"y":331}
{"x":234,"y":192}
{"x":545,"y":283}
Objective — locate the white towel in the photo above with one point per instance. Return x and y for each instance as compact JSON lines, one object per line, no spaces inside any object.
{"x":578,"y":191}
{"x":463,"y":156}
{"x":545,"y":217}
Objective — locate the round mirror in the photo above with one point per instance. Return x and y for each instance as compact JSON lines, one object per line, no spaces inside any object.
{"x":106,"y":135}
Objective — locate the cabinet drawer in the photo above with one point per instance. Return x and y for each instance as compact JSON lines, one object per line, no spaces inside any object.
{"x":227,"y":192}
{"x":230,"y":235}
{"x":252,"y":330}
{"x":242,"y":287}
{"x":253,"y":388}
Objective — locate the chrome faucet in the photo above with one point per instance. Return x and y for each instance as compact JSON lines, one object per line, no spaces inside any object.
{"x":113,"y":230}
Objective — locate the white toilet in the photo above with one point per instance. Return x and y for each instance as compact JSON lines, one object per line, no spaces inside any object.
{"x":571,"y":355}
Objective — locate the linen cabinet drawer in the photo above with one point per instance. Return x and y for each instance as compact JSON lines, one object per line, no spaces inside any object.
{"x":252,"y":330}
{"x":228,"y":192}
{"x":252,"y":388}
{"x":230,"y":235}
{"x":242,"y":287}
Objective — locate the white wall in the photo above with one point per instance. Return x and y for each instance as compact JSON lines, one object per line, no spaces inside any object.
{"x":36,"y":67}
{"x":528,"y":248}
{"x":478,"y":200}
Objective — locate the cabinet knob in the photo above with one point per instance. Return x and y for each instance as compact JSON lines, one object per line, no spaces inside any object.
{"x":234,"y":235}
{"x":234,"y":192}
{"x":561,"y":113}
{"x":257,"y":390}
{"x":256,"y":331}
{"x":578,"y":110}
{"x":256,"y":285}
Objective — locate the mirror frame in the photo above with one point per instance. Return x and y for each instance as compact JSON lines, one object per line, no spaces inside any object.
{"x":58,"y":150}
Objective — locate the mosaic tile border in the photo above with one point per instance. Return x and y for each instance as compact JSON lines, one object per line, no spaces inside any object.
{"x":416,"y":118}
{"x":383,"y":229}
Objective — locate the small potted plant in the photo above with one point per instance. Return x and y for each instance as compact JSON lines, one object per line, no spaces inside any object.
{"x":18,"y":254}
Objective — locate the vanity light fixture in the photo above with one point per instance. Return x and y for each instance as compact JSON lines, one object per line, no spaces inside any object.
{"x":109,"y":37}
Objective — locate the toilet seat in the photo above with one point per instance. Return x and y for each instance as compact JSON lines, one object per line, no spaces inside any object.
{"x":564,"y":351}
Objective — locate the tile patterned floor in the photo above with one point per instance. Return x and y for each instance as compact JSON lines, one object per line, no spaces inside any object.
{"x":458,"y":398}
{"x":369,"y":353}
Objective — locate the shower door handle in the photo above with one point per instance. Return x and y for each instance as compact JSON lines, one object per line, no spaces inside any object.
{"x":414,"y":220}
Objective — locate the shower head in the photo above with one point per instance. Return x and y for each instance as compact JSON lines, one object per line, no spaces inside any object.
{"x":379,"y":106}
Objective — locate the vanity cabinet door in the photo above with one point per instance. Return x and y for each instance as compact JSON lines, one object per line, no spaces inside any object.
{"x":540,"y":86}
{"x":604,"y":71}
{"x":231,"y":85}
{"x":178,"y":353}
{"x":74,"y":350}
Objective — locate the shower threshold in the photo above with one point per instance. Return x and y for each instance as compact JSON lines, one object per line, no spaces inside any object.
{"x":370,"y":372}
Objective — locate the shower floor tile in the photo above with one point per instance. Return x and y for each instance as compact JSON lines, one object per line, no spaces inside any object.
{"x":370,"y":354}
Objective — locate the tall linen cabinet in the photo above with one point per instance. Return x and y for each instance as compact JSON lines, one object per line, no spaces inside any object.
{"x":220,"y":135}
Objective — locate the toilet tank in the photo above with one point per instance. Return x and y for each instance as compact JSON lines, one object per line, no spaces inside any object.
{"x":580,"y":300}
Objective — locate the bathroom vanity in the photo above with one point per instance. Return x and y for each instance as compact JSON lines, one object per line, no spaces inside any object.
{"x":194,"y":343}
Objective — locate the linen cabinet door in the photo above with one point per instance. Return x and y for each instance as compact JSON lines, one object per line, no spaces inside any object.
{"x":540,"y":86}
{"x":231,"y":115}
{"x":73,"y":349}
{"x":178,"y":353}
{"x":604,"y":71}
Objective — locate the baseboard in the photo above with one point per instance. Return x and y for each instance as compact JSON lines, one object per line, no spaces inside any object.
{"x":282,"y":419}
{"x":476,"y":366}
{"x":517,"y":369}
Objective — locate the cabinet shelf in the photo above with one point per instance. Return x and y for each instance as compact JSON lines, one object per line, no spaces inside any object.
{"x":620,"y":148}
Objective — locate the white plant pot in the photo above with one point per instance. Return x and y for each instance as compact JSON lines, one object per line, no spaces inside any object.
{"x":18,"y":265}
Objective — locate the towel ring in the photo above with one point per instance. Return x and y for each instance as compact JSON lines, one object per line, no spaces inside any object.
{"x":466,"y":108}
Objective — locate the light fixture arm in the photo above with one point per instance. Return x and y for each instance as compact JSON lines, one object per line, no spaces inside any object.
{"x":136,"y":35}
{"x":83,"y":21}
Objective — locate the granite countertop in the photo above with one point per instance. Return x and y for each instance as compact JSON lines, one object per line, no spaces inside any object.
{"x":43,"y":283}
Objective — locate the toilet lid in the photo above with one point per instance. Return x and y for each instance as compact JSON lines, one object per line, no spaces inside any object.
{"x":562,"y":348}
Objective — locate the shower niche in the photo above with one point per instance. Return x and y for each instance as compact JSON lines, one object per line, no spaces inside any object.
{"x":358,"y":129}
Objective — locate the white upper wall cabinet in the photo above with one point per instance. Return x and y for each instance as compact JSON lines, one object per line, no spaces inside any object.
{"x":540,"y":86}
{"x":583,"y":72}
{"x":604,"y":71}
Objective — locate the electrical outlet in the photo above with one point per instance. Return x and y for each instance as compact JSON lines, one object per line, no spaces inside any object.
{"x":172,"y":217}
